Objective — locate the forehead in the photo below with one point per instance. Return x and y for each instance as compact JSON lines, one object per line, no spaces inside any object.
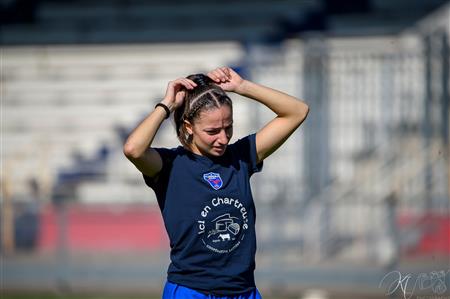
{"x":215,"y":117}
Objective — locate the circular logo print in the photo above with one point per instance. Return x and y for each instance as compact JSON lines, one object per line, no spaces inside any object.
{"x":222,"y":224}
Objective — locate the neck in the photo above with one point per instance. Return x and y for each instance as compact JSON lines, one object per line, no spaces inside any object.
{"x":193,"y":149}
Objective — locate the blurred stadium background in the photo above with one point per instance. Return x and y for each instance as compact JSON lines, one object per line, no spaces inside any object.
{"x":359,"y":191}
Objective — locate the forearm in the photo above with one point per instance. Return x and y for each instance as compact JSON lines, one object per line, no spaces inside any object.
{"x":279,"y":102}
{"x":142,"y":136}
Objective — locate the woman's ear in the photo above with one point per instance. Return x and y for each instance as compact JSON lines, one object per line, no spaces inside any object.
{"x":188,"y":127}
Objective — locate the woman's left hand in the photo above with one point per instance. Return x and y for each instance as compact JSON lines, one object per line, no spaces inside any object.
{"x":226,"y":78}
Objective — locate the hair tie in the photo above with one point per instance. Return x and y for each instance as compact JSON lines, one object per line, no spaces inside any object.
{"x":165,"y":108}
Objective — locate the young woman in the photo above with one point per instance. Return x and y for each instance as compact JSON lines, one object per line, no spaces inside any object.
{"x":202,"y":186}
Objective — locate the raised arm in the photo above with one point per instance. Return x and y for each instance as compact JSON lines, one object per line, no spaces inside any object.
{"x":291,"y":112}
{"x":137,"y":147}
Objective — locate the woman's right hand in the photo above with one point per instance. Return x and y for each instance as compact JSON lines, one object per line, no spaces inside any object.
{"x":176,"y":91}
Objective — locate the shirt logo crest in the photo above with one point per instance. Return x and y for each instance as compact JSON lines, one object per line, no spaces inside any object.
{"x":214,"y":180}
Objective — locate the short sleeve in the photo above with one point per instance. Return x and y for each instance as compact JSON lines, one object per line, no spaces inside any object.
{"x":160,"y":181}
{"x":245,"y":148}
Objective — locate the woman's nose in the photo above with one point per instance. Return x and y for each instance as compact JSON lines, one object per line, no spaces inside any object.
{"x":223,"y":138}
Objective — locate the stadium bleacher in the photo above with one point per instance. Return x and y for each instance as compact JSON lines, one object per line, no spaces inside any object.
{"x":78,"y":75}
{"x":64,"y":99}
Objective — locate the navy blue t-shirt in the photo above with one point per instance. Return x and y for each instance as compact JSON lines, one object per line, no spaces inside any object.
{"x":209,"y":215}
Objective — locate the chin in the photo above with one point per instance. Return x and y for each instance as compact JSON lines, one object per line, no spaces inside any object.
{"x":217,"y":153}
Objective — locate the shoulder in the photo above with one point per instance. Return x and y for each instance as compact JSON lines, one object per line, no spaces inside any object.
{"x":168,"y":158}
{"x":169,"y":153}
{"x":243,"y":145}
{"x":244,"y":150}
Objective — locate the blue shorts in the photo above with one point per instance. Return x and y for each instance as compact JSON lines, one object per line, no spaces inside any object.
{"x":176,"y":291}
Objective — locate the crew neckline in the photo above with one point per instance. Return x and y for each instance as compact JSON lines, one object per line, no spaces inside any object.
{"x":207,"y":159}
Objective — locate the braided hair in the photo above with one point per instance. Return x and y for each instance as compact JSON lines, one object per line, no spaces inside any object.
{"x":205,"y":96}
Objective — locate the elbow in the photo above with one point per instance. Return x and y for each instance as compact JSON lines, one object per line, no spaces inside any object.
{"x":303,"y":112}
{"x":130,"y":151}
